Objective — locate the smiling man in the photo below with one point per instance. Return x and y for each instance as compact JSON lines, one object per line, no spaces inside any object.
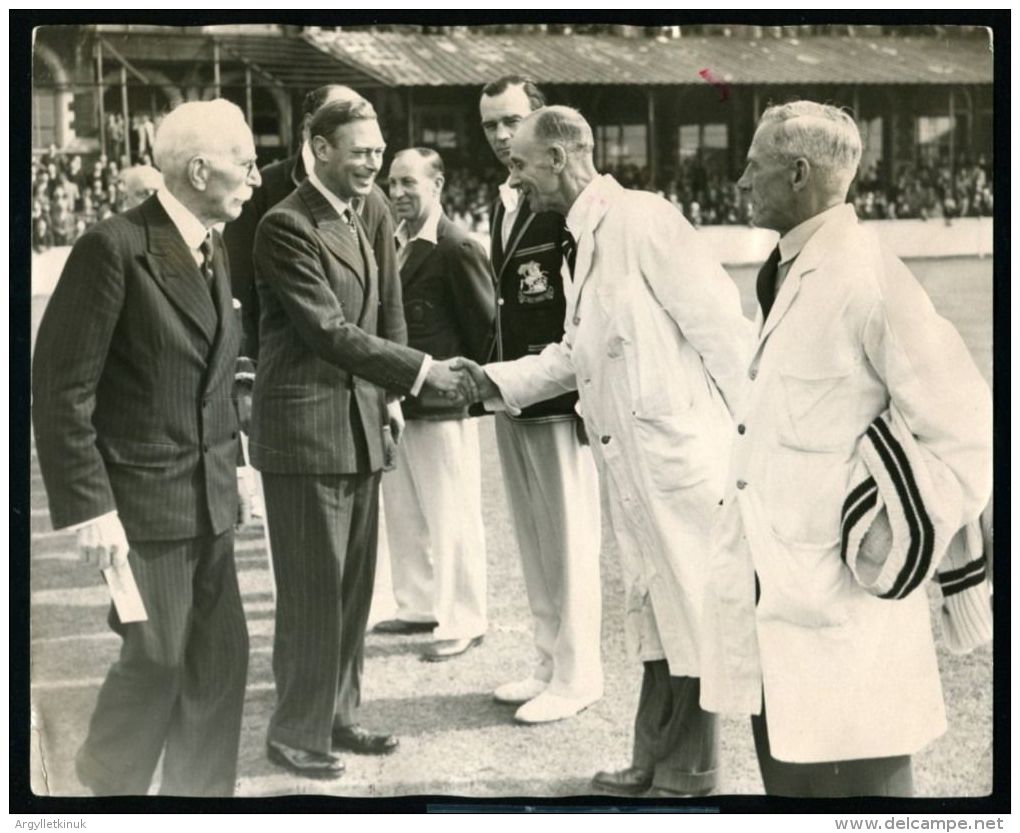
{"x":434,"y":522}
{"x":655,"y":343}
{"x":329,"y":375}
{"x":137,"y":440}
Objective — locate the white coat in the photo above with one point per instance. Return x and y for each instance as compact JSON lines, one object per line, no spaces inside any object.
{"x":653,"y":333}
{"x":845,"y":674}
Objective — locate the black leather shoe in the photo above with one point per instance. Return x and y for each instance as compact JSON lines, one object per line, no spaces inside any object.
{"x":629,"y":781}
{"x":399,"y":626}
{"x":304,"y":763}
{"x":356,"y":739}
{"x":444,"y":649}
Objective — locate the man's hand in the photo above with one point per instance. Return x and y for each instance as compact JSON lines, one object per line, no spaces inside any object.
{"x":103,"y":542}
{"x":484,"y":386}
{"x":451,"y":383}
{"x":396,"y":419}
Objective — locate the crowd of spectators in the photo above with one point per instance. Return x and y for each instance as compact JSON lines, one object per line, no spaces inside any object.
{"x":69,"y":195}
{"x":926,"y":192}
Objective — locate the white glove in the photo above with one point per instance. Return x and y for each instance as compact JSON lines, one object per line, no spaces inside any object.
{"x":103,"y":542}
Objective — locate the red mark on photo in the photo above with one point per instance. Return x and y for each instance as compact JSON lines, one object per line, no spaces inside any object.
{"x":718,"y":83}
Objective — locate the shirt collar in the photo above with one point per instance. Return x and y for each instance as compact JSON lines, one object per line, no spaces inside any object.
{"x":428,"y":232}
{"x":791,"y":243}
{"x":510,"y":197}
{"x":577,"y":216}
{"x":339,"y":206}
{"x":307,"y":158}
{"x":189,"y":226}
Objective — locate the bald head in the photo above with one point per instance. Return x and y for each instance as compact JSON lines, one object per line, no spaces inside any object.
{"x":206,"y":154}
{"x":138,"y":183}
{"x":551,"y":158}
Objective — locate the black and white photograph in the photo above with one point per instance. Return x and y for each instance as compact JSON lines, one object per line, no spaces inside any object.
{"x":595,"y":415}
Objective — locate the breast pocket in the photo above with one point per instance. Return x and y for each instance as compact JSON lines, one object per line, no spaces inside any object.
{"x":819,"y":400}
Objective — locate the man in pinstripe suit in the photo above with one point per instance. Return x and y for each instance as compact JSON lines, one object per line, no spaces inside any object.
{"x":318,"y":415}
{"x":137,"y":440}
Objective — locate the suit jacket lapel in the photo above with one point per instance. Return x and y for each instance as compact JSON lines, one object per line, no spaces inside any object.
{"x":418,"y":252}
{"x":524,"y":218}
{"x":335,"y":233}
{"x":174,"y":270}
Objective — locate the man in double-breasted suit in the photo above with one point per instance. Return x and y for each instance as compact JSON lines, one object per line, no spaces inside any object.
{"x":433,"y":496}
{"x":137,"y":440}
{"x":549,"y":474}
{"x":851,"y":363}
{"x":320,"y":404}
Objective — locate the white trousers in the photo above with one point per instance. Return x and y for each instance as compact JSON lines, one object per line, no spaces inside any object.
{"x":434,"y":524}
{"x":553,"y":490}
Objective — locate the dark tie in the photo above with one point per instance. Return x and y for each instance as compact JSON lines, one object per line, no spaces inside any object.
{"x":766,"y":285}
{"x":207,"y":260}
{"x":569,"y":251}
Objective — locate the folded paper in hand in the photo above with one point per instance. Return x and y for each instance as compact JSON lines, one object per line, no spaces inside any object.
{"x":124,"y":593}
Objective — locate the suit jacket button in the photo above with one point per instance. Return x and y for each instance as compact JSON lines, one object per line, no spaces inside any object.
{"x":605,"y":439}
{"x":502,"y":301}
{"x":741,"y":484}
{"x":741,"y":428}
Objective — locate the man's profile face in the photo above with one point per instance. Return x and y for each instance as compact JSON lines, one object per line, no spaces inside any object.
{"x":532,"y":174}
{"x":767,"y":180}
{"x":233,"y":176}
{"x":414,"y":190}
{"x":350,"y":162}
{"x":501,"y":116}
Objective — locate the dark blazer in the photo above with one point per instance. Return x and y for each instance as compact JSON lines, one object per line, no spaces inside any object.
{"x":530,"y":312}
{"x":279,"y":179}
{"x":322,"y":368}
{"x":132,"y":383}
{"x":449,"y":303}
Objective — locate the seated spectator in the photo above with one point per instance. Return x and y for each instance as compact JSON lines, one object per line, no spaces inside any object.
{"x":42,"y":237}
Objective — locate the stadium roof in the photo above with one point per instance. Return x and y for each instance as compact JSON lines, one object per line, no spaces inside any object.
{"x":413,"y":59}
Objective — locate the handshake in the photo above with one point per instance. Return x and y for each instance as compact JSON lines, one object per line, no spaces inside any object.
{"x":456,"y":382}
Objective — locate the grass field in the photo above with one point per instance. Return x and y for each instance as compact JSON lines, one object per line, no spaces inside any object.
{"x":454,"y":738}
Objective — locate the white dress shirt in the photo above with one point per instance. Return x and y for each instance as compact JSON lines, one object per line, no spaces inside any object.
{"x":511,"y":199}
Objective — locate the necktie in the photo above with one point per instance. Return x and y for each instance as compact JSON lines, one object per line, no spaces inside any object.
{"x":766,"y":286}
{"x":348,"y":217}
{"x":569,"y":248}
{"x":207,"y":260}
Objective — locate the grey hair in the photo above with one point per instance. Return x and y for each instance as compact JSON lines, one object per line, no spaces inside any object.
{"x":562,"y":125}
{"x":824,"y":135}
{"x":194,"y":128}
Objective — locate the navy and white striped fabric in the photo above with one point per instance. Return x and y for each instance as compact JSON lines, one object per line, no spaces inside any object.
{"x":892,"y":478}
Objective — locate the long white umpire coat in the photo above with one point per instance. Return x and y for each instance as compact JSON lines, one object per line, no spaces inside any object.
{"x":852,"y":337}
{"x":654,"y":331}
